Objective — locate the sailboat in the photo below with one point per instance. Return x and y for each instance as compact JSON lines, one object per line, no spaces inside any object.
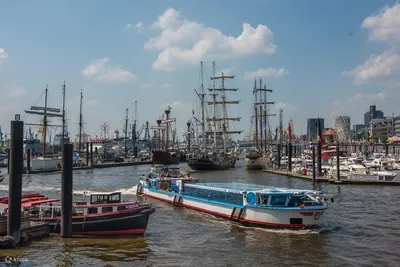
{"x":258,"y":158}
{"x":164,"y":151}
{"x":219,"y":154}
{"x":49,"y":162}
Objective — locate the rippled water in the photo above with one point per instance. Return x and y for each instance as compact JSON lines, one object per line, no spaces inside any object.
{"x":362,"y":228}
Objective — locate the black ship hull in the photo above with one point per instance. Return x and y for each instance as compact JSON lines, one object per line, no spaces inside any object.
{"x":126,"y":222}
{"x":209,"y":165}
{"x":166,"y":158}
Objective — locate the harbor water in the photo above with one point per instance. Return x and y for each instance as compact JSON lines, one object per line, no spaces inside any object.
{"x":362,"y":228}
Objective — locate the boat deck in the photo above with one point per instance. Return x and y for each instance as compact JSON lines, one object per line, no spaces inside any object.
{"x":241,"y":187}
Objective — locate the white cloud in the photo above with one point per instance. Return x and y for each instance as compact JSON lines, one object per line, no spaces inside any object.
{"x":101,"y":72}
{"x":93,"y":103}
{"x":184,"y":42}
{"x":268,"y":72}
{"x":228,"y":70}
{"x":285,"y":106}
{"x":139,"y":26}
{"x":384,"y":68}
{"x":128,"y":26}
{"x":385,"y":25}
{"x":3,"y":55}
{"x":147,"y":85}
{"x":165,"y":85}
{"x":178,"y":106}
{"x":386,"y":64}
{"x":357,"y":104}
{"x":4,"y":109}
{"x":15,"y":91}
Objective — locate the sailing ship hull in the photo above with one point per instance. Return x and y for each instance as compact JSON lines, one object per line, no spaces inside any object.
{"x":131,"y":222}
{"x":163,"y":157}
{"x":255,"y":163}
{"x":206,"y":165}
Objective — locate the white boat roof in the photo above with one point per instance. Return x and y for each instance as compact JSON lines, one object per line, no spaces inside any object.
{"x":239,"y":188}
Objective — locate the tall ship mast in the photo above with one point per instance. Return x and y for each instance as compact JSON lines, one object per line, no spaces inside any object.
{"x":259,"y":155}
{"x":219,"y":153}
{"x":165,"y":151}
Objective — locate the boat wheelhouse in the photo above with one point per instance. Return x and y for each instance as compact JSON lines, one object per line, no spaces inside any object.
{"x":104,"y":214}
{"x":246,"y":203}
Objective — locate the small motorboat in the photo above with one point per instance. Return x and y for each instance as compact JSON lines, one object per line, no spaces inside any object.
{"x":104,"y":214}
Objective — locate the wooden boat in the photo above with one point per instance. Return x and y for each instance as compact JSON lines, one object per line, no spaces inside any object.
{"x":104,"y":214}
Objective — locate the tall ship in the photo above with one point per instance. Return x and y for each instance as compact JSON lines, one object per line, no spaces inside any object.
{"x":48,"y":159}
{"x":216,"y":149}
{"x":165,"y":148}
{"x":258,"y":156}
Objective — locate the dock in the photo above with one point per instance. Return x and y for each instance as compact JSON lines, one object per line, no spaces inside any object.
{"x":297,"y":175}
{"x":95,"y":166}
{"x":330,"y":180}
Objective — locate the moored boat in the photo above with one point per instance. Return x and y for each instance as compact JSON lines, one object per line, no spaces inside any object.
{"x":104,"y":214}
{"x":246,"y":203}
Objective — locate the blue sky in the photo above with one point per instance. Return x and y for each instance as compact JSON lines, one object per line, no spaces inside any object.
{"x":322,"y":58}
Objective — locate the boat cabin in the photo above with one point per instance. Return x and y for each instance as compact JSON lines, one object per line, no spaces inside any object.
{"x":99,"y":204}
{"x":105,"y":198}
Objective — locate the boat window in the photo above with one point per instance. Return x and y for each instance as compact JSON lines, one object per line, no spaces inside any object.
{"x":228,"y":197}
{"x":295,"y":201}
{"x":92,"y":210}
{"x":77,"y":212}
{"x":106,"y":209}
{"x":121,"y":208}
{"x":278,"y":200}
{"x":264,"y":200}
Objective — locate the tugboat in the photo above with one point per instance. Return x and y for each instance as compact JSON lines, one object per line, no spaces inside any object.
{"x":104,"y":214}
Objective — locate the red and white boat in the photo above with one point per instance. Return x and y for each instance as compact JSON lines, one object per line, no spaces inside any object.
{"x":104,"y":214}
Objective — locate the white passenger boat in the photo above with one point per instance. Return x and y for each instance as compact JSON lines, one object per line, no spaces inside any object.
{"x":359,"y":172}
{"x":246,"y":203}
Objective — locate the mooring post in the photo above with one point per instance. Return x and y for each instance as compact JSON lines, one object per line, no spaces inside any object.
{"x":386,"y":149}
{"x":16,"y":166}
{"x":313,"y":164}
{"x":87,"y":154}
{"x":28,"y":160}
{"x":290,"y":157}
{"x":188,"y":137}
{"x":66,"y":190}
{"x":278,"y":160}
{"x":8,"y":161}
{"x":319,"y":158}
{"x":337,"y":162}
{"x":91,"y":154}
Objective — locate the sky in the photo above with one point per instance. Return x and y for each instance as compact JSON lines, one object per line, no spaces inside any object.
{"x":321,"y":58}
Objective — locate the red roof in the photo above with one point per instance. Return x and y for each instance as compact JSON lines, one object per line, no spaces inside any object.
{"x":329,"y":132}
{"x":38,"y":202}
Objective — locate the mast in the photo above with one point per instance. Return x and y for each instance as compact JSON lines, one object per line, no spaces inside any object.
{"x":261,"y":116}
{"x":224,"y":119}
{"x":215,"y":109}
{"x":80,"y":124}
{"x":126,"y":132}
{"x":203,"y":123}
{"x":45,"y":122}
{"x":266,"y":125}
{"x":255,"y":113}
{"x":63,"y":114}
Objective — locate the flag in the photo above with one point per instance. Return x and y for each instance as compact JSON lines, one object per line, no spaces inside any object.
{"x":290,"y":132}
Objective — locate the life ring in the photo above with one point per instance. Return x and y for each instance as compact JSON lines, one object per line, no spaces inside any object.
{"x":317,"y":216}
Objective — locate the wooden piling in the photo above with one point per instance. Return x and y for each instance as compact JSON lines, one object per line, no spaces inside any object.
{"x":66,"y":190}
